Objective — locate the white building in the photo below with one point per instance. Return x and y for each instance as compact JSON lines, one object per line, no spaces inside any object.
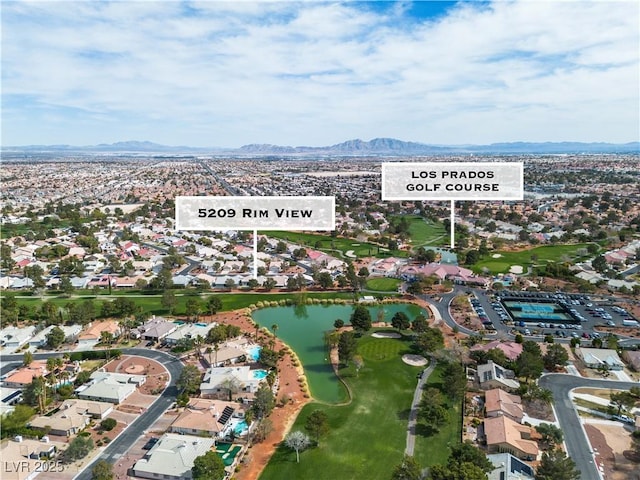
{"x":216,"y":381}
{"x":172,"y":457}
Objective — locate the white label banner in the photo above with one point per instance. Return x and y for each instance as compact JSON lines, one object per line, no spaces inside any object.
{"x":453,"y":181}
{"x":255,"y":213}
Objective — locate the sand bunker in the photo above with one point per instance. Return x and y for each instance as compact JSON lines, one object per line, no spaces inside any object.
{"x":517,"y":269}
{"x":496,"y":255}
{"x":386,"y":335}
{"x":415,"y":360}
{"x":350,"y":254}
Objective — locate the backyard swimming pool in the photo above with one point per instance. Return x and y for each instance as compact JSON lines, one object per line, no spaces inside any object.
{"x":259,"y":374}
{"x":254,"y":352}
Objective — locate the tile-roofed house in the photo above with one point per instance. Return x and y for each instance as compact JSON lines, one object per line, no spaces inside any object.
{"x":31,"y":452}
{"x":492,"y":375}
{"x":25,"y":375}
{"x":598,"y":357}
{"x":214,"y":383}
{"x":511,"y":349}
{"x":172,"y":457}
{"x":110,"y":387}
{"x":14,"y":337}
{"x":93,"y":331}
{"x":72,"y":416}
{"x":188,"y":330}
{"x":155,"y":329}
{"x":498,"y":402}
{"x":443,"y":271}
{"x":207,"y":417}
{"x":504,"y":435}
{"x":632,"y":358}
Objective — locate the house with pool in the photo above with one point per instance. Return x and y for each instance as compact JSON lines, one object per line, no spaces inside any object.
{"x":234,"y":381}
{"x":212,"y":418}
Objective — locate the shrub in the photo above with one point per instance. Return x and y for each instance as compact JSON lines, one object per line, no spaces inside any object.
{"x":108,"y":424}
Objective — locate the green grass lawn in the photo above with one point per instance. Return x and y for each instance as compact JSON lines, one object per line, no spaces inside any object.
{"x":368,"y":436}
{"x":329,"y":244}
{"x":383,"y":284}
{"x":152,"y":303}
{"x":544,"y":254}
{"x":425,"y":232}
{"x":434,"y":449}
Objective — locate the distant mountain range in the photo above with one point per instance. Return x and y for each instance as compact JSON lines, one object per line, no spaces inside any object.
{"x":377,"y":146}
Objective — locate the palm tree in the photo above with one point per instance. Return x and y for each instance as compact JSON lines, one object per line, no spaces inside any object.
{"x":274,"y":327}
{"x":197,"y":343}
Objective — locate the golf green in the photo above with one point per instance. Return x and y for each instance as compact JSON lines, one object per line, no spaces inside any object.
{"x":303,"y":328}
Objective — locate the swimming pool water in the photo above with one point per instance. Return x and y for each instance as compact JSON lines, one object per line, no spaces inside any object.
{"x":259,"y":374}
{"x":254,"y":353}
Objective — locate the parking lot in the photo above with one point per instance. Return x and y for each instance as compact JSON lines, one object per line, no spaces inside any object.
{"x":569,"y":315}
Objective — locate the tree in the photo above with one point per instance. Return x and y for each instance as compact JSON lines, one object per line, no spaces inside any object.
{"x":189,"y":380}
{"x":262,"y":431}
{"x":429,"y":341}
{"x":269,"y":284}
{"x":556,"y":355}
{"x":106,"y":338}
{"x":400,"y":321}
{"x":408,"y":469}
{"x":55,"y":338}
{"x":432,"y":409}
{"x":346,"y":347}
{"x":529,"y":365}
{"x":209,"y":466}
{"x":214,"y":305}
{"x":193,"y":309}
{"x":555,"y":465}
{"x":108,"y":424}
{"x":419,"y":324}
{"x":27,"y":358}
{"x":292,"y":284}
{"x":361,"y":319}
{"x":457,"y":471}
{"x":456,"y":382}
{"x":338,"y":324}
{"x":622,"y":400}
{"x":36,"y":393}
{"x":102,"y":470}
{"x":268,"y":357}
{"x":78,"y":448}
{"x":599,"y":264}
{"x":169,"y":300}
{"x":297,"y":441}
{"x":325,"y":280}
{"x":551,"y":435}
{"x":317,"y":424}
{"x":467,"y":452}
{"x":263,"y":402}
{"x":65,"y":285}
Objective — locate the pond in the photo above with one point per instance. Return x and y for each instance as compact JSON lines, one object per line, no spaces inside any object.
{"x":303,"y":328}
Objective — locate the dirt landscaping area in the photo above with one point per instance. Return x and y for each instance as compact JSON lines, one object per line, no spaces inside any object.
{"x":610,"y":441}
{"x":157,"y":375}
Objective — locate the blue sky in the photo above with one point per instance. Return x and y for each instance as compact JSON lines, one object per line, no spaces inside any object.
{"x":226,"y":74}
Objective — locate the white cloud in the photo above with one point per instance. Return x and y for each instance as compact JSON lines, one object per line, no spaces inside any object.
{"x":229,"y":73}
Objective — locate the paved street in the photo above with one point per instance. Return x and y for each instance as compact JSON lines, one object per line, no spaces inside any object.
{"x":575,"y":437}
{"x":125,"y":441}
